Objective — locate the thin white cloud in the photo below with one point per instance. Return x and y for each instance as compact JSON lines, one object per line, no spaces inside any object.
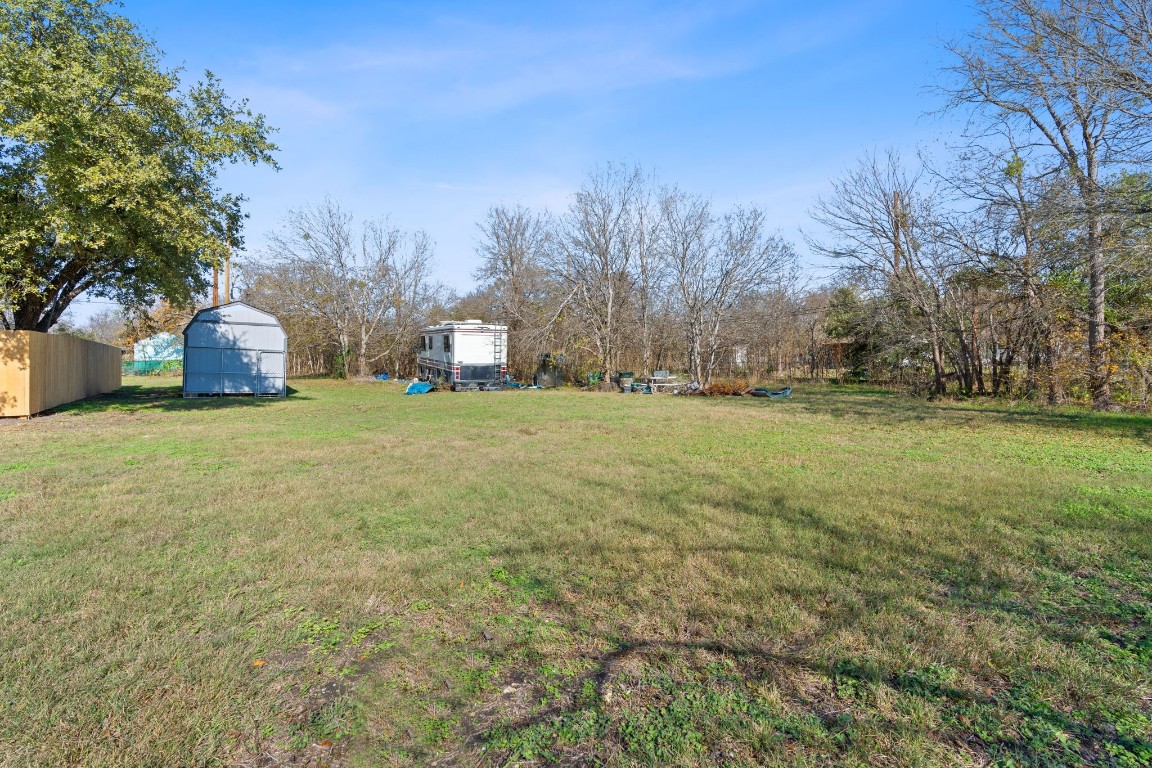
{"x":298,"y":102}
{"x":400,"y":92}
{"x":458,"y":67}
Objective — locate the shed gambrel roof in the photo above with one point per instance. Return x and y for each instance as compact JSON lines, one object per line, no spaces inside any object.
{"x":234,"y":312}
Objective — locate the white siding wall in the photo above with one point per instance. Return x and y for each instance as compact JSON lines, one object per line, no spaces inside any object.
{"x":468,"y":347}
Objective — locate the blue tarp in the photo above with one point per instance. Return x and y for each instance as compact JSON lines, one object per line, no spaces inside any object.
{"x":418,"y":388}
{"x":778,"y":393}
{"x":382,"y":376}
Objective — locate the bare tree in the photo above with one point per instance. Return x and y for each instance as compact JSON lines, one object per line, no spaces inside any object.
{"x":364,"y":288}
{"x":513,"y":245}
{"x":513,"y":248}
{"x":108,"y":326}
{"x":1011,"y":239}
{"x":650,"y":273}
{"x":630,"y":276}
{"x":1030,"y":64}
{"x":1123,"y":55}
{"x":688,"y":239}
{"x":883,"y":230}
{"x":715,"y":264}
{"x":407,"y":291}
{"x":593,"y":252}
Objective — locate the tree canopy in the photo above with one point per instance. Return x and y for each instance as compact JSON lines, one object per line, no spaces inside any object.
{"x":108,"y":164}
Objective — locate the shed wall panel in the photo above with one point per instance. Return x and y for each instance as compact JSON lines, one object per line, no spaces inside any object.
{"x":234,"y":336}
{"x":260,"y":337}
{"x":203,"y":383}
{"x":271,"y":385}
{"x":240,"y":383}
{"x":272,"y":364}
{"x":202,"y":360}
{"x":239,"y":360}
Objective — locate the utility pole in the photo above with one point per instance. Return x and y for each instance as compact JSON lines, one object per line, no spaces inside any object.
{"x":215,"y":285}
{"x":228,"y":275}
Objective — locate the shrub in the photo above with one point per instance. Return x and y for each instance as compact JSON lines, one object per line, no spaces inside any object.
{"x":724,"y":387}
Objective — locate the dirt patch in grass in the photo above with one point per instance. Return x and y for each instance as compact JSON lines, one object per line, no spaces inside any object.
{"x":317,"y":717}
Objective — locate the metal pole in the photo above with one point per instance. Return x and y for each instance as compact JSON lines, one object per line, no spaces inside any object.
{"x":228,"y":276}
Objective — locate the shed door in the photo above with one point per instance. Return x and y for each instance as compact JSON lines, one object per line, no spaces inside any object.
{"x":271,"y":373}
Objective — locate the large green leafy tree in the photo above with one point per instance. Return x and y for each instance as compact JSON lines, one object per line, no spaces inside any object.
{"x":108,"y":164}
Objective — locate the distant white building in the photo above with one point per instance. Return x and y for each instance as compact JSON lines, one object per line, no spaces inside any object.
{"x":163,"y":347}
{"x":740,"y":358}
{"x":467,"y":354}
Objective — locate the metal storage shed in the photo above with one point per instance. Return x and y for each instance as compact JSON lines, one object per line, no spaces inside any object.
{"x":234,"y":349}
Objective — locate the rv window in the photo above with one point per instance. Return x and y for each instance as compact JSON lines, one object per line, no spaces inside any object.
{"x":447,"y":343}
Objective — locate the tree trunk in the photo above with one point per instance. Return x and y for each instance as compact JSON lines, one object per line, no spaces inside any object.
{"x":1055,"y":391}
{"x":974,"y":353}
{"x":1146,"y":374}
{"x":1098,"y":362}
{"x":693,"y":348}
{"x":362,"y":356}
{"x":938,"y":385}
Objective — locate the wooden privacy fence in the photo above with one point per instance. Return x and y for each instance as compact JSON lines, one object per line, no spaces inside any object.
{"x":39,"y":371}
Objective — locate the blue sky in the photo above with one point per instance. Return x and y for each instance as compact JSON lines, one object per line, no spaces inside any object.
{"x":430,"y":112}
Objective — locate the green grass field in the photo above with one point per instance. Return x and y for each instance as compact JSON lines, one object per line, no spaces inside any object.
{"x":351,"y":577}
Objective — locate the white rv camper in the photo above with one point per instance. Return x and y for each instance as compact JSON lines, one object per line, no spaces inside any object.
{"x":465,"y":354}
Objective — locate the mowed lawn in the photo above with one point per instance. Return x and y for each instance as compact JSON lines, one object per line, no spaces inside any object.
{"x":352,"y":577}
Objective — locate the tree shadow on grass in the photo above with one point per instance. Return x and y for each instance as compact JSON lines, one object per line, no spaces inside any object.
{"x":892,"y":408}
{"x":141,"y":399}
{"x":673,"y":684}
{"x":1112,"y":601}
{"x":672,"y":688}
{"x":1002,"y":715}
